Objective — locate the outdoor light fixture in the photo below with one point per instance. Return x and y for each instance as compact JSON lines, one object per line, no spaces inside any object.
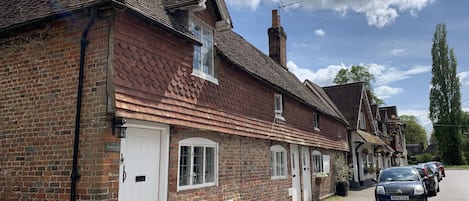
{"x":119,"y":128}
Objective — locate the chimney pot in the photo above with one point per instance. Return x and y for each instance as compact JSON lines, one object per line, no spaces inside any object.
{"x":275,"y":19}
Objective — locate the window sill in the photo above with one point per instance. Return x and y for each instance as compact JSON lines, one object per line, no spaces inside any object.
{"x":205,"y":76}
{"x":278,"y":177}
{"x":182,"y":188}
{"x":317,"y":129}
{"x":279,"y":117}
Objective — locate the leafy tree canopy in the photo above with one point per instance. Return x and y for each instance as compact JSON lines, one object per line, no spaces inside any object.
{"x":414,"y":132}
{"x":357,"y":74}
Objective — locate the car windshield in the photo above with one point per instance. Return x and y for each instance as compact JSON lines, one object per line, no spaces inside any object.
{"x":421,"y":172}
{"x":399,"y":174}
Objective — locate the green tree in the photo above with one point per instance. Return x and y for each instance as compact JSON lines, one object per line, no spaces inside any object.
{"x":414,"y":132}
{"x":357,"y":74}
{"x":465,"y":127}
{"x":445,"y":99}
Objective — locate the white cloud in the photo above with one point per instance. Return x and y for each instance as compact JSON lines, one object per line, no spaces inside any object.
{"x":464,"y":78}
{"x":383,"y":76}
{"x":320,"y":32}
{"x":251,"y":4}
{"x":384,"y":92}
{"x":379,"y":13}
{"x":322,"y":77}
{"x":397,"y":52}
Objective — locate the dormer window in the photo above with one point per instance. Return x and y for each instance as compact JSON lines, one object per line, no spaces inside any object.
{"x":278,"y":106}
{"x":203,"y":55}
{"x":316,"y":121}
{"x":362,"y":122}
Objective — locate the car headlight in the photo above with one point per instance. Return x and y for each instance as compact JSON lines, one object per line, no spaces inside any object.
{"x":418,"y":190}
{"x":380,"y":190}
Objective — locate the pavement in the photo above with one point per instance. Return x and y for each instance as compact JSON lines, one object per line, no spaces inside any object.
{"x":356,"y":194}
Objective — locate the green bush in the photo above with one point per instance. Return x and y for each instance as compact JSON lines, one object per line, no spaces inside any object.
{"x":422,"y":158}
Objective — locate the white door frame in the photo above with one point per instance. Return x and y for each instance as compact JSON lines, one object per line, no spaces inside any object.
{"x":163,"y":129}
{"x":306,"y":170}
{"x":295,"y":171}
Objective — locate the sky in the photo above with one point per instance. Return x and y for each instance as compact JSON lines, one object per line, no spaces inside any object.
{"x":392,"y":38}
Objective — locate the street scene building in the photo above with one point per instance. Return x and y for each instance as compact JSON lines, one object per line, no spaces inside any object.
{"x":162,"y":100}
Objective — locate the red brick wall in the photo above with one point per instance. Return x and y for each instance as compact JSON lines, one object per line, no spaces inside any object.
{"x":243,"y":165}
{"x":39,"y":74}
{"x":244,"y":169}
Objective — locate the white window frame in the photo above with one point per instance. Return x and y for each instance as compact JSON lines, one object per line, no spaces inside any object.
{"x":275,"y":161}
{"x":316,"y":121}
{"x":198,"y":71}
{"x":278,"y":100}
{"x":326,"y":163}
{"x":197,"y":142}
{"x":362,"y":122}
{"x":317,"y":162}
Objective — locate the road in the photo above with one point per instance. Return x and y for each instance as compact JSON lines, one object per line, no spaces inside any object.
{"x":454,"y":187}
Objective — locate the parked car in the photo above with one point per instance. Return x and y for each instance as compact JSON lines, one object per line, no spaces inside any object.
{"x":435,"y":169}
{"x":400,"y":183}
{"x":440,"y":166}
{"x":430,"y":178}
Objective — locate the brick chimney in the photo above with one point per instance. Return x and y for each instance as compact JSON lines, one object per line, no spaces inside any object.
{"x":277,"y":41}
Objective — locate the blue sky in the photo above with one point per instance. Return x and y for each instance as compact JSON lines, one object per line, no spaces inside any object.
{"x":391,"y":37}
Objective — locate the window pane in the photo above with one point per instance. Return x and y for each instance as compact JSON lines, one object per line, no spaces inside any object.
{"x":277,"y":103}
{"x":184,"y":166}
{"x":207,"y":51}
{"x":196,"y":30}
{"x":197,"y":169}
{"x":209,"y":164}
{"x":317,"y":163}
{"x":282,"y":164}
{"x":279,"y":163}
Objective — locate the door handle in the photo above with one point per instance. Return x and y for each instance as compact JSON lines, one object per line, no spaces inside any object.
{"x":124,"y":174}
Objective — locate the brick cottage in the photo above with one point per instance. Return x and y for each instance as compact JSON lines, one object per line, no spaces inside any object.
{"x":156,"y":100}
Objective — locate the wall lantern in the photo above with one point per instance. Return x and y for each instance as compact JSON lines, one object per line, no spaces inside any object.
{"x":119,"y":127}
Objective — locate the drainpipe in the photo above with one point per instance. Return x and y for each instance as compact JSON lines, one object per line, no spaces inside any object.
{"x":358,"y":161}
{"x":83,"y":42}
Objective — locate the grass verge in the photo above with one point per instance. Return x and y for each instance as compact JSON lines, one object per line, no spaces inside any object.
{"x":457,"y":167}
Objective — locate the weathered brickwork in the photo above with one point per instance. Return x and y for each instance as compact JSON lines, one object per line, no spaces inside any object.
{"x":39,"y":74}
{"x":244,"y":169}
{"x":150,"y":69}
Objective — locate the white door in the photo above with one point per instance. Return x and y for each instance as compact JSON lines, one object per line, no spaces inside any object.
{"x":296,"y":191}
{"x":140,"y":163}
{"x":305,"y":167}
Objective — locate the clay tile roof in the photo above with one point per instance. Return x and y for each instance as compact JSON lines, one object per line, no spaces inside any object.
{"x":170,"y":4}
{"x":250,"y":59}
{"x":19,"y":12}
{"x":390,"y":111}
{"x":347,"y":98}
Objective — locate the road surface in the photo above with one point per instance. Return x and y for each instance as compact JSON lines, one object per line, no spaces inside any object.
{"x":454,"y":187}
